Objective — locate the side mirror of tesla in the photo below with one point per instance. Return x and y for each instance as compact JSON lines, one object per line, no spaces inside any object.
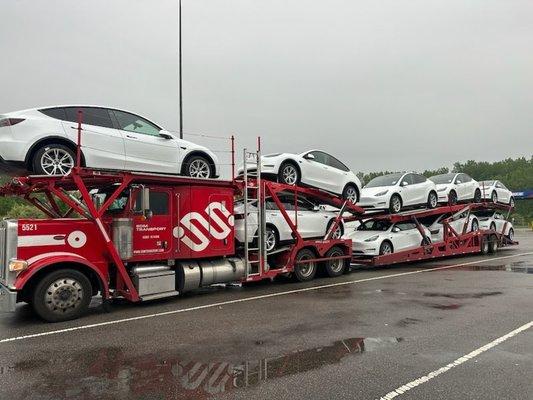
{"x":165,"y":135}
{"x":316,"y":208}
{"x":405,"y":183}
{"x":309,"y":156}
{"x":458,"y":181}
{"x":396,"y":229}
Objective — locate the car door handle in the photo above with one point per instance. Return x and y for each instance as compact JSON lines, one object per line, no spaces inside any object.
{"x":131,"y":137}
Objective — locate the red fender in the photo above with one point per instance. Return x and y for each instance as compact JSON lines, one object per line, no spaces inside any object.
{"x":37,"y":263}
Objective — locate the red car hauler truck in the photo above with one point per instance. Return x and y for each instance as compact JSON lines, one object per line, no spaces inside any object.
{"x":144,"y":236}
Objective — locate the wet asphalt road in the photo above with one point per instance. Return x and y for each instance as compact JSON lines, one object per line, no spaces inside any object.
{"x":360,"y":340}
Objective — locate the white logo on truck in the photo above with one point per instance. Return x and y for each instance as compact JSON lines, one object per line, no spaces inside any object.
{"x":220,"y":230}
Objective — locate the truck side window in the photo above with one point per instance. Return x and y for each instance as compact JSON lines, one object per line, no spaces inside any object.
{"x":159,"y":203}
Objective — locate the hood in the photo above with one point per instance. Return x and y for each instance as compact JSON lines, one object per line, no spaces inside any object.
{"x":374,"y":190}
{"x":443,"y":185}
{"x":360,"y":236}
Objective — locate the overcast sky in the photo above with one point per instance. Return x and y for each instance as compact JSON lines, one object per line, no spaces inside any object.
{"x":392,"y":84}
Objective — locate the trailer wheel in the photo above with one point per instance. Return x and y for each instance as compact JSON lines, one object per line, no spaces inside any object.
{"x":338,"y":266}
{"x":493,"y":244}
{"x":485,"y":245}
{"x":305,"y":271}
{"x":62,"y":295}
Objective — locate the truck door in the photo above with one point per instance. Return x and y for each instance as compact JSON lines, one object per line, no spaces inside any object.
{"x":153,"y":236}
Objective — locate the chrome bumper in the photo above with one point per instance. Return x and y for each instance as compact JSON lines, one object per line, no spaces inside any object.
{"x":8,"y":299}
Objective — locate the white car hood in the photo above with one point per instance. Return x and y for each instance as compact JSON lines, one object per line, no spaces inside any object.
{"x":443,"y":186}
{"x":360,"y":236}
{"x":375,"y":190}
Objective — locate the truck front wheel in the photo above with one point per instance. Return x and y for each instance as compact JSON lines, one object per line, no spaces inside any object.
{"x":62,"y":295}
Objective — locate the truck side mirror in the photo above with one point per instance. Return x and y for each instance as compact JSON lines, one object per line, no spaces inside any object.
{"x":145,"y":203}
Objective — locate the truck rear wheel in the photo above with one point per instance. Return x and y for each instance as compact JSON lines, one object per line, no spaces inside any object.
{"x":493,"y":244}
{"x":62,"y":295}
{"x":337,"y":266}
{"x":304,"y":272}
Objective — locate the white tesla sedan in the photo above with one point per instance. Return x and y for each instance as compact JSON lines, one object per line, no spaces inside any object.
{"x":496,"y":221}
{"x":456,"y":187}
{"x":312,"y":168}
{"x":379,"y":236}
{"x":457,"y":222}
{"x":43,"y":140}
{"x":311,"y":219}
{"x":496,"y":192}
{"x":398,"y":191}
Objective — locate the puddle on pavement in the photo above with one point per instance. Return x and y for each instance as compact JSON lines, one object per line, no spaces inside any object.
{"x":474,"y":295}
{"x":517,"y":266}
{"x":109,"y":372}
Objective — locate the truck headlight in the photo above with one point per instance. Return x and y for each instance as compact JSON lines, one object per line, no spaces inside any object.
{"x":372,"y":238}
{"x":17,"y":265}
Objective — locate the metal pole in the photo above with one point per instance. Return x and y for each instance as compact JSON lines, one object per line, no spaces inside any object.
{"x":78,"y":147}
{"x":233,"y":158}
{"x":180,"y":76}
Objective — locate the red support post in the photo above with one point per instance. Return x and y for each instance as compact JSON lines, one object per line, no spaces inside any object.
{"x":78,"y":147}
{"x":232,"y":157}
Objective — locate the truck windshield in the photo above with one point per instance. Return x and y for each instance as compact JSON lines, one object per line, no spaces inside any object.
{"x":119,"y":204}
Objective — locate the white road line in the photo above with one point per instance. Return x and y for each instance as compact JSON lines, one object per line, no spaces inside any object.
{"x":423,"y":379}
{"x":246,"y":299}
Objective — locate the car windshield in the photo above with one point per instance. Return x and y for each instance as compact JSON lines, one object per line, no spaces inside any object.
{"x":374,"y":225}
{"x":384,"y":180}
{"x":486,"y":183}
{"x":443,"y":178}
{"x":484,"y":213}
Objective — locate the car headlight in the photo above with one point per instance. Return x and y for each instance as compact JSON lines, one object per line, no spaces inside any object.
{"x":382,"y":193}
{"x":441,"y":189}
{"x":372,"y":238}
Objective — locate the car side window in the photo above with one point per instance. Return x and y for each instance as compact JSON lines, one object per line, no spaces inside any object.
{"x":320,"y":157}
{"x":57,"y":113}
{"x":134,"y":123}
{"x":465,"y":178}
{"x":407,"y":178}
{"x":90,"y":116}
{"x":499,"y":185}
{"x":305,"y":205}
{"x":417,"y":178}
{"x":333,"y":162}
{"x":405,"y":226}
{"x":271,"y":205}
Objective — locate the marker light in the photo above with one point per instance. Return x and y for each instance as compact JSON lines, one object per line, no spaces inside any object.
{"x":17,"y":265}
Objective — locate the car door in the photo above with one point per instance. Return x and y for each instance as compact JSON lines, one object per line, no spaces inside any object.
{"x":102,"y":145}
{"x":339,"y":174}
{"x":311,"y":221}
{"x":408,"y":191}
{"x":499,"y":220}
{"x":460,"y":187}
{"x":145,"y":148}
{"x":422,"y":186}
{"x":316,"y":171}
{"x":405,"y":237}
{"x":504,"y":195}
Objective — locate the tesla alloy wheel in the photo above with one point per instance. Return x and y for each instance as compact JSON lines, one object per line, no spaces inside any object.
{"x":289,"y":174}
{"x":432,"y":200}
{"x":53,"y":159}
{"x":350,"y":193}
{"x":198,"y":167}
{"x":271,"y":239}
{"x":385,"y":248}
{"x":395,"y":204}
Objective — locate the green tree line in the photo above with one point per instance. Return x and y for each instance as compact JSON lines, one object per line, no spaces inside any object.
{"x":514,"y":173}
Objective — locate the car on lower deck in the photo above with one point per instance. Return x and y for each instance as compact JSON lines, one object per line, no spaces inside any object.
{"x":456,"y":187}
{"x":458,"y":222}
{"x":44,"y":141}
{"x":496,"y":221}
{"x":380,"y":236}
{"x":311,"y":219}
{"x":313,"y":168}
{"x":395,"y":192}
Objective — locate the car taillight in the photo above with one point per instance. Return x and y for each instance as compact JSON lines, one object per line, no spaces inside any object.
{"x":10,"y":121}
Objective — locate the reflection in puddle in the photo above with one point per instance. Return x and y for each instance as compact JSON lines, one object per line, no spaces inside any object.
{"x":517,"y":266}
{"x":109,"y":373}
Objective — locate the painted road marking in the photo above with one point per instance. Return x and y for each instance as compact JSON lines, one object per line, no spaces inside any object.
{"x":423,"y":379}
{"x":246,"y":299}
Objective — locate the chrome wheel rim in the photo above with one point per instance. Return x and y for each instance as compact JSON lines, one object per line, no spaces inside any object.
{"x":396,"y":204}
{"x":338,"y":264}
{"x":199,"y":169}
{"x":306,"y":269}
{"x":511,"y":234}
{"x":351,"y":194}
{"x":270,"y":240}
{"x":290,"y":175}
{"x":432,"y":200}
{"x":62,"y":295}
{"x":337,"y":233}
{"x":56,"y":162}
{"x":386,"y":249}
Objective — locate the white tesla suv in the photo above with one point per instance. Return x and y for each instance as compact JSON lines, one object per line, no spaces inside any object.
{"x":379,"y":236}
{"x":311,"y":168}
{"x":457,"y":222}
{"x":495,"y":220}
{"x":398,"y":191}
{"x":43,"y":140}
{"x":496,"y":192}
{"x":312,"y":221}
{"x":455,"y":187}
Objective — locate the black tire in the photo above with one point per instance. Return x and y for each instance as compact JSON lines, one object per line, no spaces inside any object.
{"x":511,"y":202}
{"x":351,"y":193}
{"x":386,"y":248}
{"x":433,"y":200}
{"x":425,"y":241}
{"x":510,"y":235}
{"x":289,"y":173}
{"x":494,"y":197}
{"x":339,"y":229}
{"x":271,"y":238}
{"x":493,"y":244}
{"x":452,"y":198}
{"x":198,"y":167}
{"x":395,"y":204}
{"x":492,"y":226}
{"x":475,"y":226}
{"x":53,"y":159}
{"x":477,"y":196}
{"x":50,"y":301}
{"x":485,"y":245}
{"x":338,"y":266}
{"x":306,"y":271}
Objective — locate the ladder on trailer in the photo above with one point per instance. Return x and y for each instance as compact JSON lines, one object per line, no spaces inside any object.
{"x":255,"y":250}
